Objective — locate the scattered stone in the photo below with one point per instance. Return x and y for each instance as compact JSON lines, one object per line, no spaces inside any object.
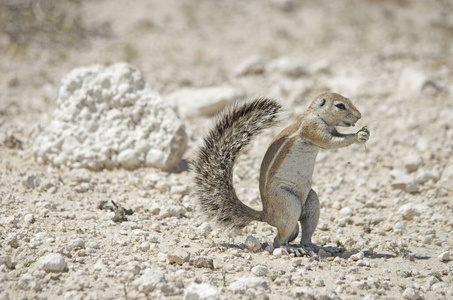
{"x":83,"y":187}
{"x":108,"y":117}
{"x":279,"y":252}
{"x":423,"y":144}
{"x":80,"y":175}
{"x":446,"y":180}
{"x":411,"y":294}
{"x":319,"y":282}
{"x":32,"y":182}
{"x":288,"y":67}
{"x":178,"y":257}
{"x":145,"y":246}
{"x":53,"y":262}
{"x":203,"y":262}
{"x":252,"y":244}
{"x":6,"y":260}
{"x":403,"y":182}
{"x":444,"y":256}
{"x":204,"y":101}
{"x":408,"y":211}
{"x":346,"y":211}
{"x":11,"y":142}
{"x":149,"y":281}
{"x":251,"y":66}
{"x":172,"y":211}
{"x":425,"y":175}
{"x":412,"y":82}
{"x":412,"y":162}
{"x":204,"y":229}
{"x":244,"y":283}
{"x":357,"y":256}
{"x":203,"y":291}
{"x":260,"y":270}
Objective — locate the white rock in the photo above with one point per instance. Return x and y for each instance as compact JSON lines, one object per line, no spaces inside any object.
{"x":408,"y":211}
{"x":412,"y":82}
{"x":260,"y":270}
{"x":6,"y":260}
{"x":403,"y":182}
{"x":172,"y":211}
{"x":204,"y":101}
{"x":251,"y":66}
{"x":411,"y":294}
{"x":77,"y":244}
{"x":102,"y":111}
{"x":279,"y":252}
{"x":32,"y":182}
{"x":319,"y":282}
{"x":412,"y":162}
{"x":423,"y":144}
{"x":244,"y":283}
{"x":132,"y":267}
{"x":357,"y":256}
{"x":252,"y":244}
{"x":178,"y":256}
{"x":287,"y":66}
{"x":346,"y":211}
{"x":129,"y":159}
{"x":80,"y":175}
{"x":424,"y":175}
{"x":52,"y":262}
{"x":145,"y":246}
{"x":29,"y":218}
{"x":202,"y":291}
{"x":444,"y":256}
{"x":446,"y":180}
{"x":204,"y":229}
{"x":149,"y":281}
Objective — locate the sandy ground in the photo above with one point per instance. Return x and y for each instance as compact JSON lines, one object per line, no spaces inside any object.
{"x":394,"y":59}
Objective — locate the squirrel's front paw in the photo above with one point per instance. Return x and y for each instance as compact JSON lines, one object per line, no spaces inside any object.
{"x":362,"y":135}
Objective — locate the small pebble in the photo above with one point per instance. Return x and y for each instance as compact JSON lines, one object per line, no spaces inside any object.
{"x":145,"y":246}
{"x":279,"y":252}
{"x":346,"y":211}
{"x":252,"y":244}
{"x":203,"y":262}
{"x":260,"y":270}
{"x":29,"y":218}
{"x":319,"y":281}
{"x":444,"y":256}
{"x":411,"y":294}
{"x":53,"y":262}
{"x":179,"y":257}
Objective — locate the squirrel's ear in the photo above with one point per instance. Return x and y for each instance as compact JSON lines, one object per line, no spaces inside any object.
{"x":322,"y":102}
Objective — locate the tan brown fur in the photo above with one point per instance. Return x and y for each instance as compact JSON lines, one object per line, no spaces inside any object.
{"x":286,"y":170}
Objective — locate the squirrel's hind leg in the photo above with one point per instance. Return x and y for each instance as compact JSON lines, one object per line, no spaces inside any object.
{"x":288,"y":205}
{"x":309,"y":220}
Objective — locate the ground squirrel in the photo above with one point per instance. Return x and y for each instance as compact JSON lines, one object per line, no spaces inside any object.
{"x":286,"y":170}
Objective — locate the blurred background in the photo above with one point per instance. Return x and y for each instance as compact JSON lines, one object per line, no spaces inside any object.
{"x":382,"y":50}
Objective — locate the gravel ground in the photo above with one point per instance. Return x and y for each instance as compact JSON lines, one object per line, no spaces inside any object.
{"x":135,"y":234}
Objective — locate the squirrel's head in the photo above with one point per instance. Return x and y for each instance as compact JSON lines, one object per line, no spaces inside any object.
{"x":335,"y":110}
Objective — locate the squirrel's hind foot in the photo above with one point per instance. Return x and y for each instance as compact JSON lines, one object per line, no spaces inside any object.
{"x":331,"y":251}
{"x":298,"y":250}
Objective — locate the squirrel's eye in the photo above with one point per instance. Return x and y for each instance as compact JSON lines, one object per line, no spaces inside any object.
{"x":341,"y":106}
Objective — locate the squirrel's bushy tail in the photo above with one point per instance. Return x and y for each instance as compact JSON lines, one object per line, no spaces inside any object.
{"x":214,"y":161}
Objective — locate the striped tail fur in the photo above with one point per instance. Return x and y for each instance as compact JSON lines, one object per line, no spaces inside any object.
{"x":215,"y":159}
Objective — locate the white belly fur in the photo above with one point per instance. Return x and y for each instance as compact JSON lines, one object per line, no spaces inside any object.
{"x":295,"y":173}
